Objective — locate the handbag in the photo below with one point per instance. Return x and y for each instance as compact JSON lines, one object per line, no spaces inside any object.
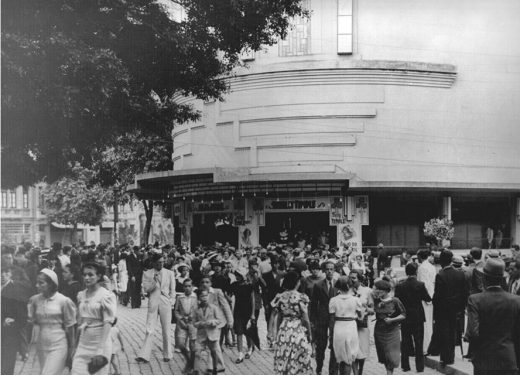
{"x":97,"y":363}
{"x":362,"y":323}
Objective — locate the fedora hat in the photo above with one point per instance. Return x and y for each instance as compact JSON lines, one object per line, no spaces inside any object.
{"x":494,"y":268}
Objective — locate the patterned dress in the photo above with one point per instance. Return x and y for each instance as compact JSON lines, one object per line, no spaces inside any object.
{"x":292,"y":349}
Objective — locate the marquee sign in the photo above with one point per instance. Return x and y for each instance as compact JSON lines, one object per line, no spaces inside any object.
{"x":305,"y":204}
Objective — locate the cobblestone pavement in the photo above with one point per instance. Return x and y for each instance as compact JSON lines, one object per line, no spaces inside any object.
{"x":132,"y":325}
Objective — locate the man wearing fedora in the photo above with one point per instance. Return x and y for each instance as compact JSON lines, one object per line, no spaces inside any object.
{"x":159,"y":282}
{"x":494,"y":325}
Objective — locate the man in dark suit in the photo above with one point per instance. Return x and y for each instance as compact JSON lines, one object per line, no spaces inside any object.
{"x":135,"y":277}
{"x":449,"y":299}
{"x":412,"y":292}
{"x":323,"y":291}
{"x":494,"y":325}
{"x":14,"y":317}
{"x":271,"y":287}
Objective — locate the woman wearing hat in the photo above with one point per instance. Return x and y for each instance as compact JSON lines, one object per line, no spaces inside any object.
{"x":55,"y":315}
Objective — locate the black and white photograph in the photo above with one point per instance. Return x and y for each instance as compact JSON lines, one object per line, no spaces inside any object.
{"x":260,"y":187}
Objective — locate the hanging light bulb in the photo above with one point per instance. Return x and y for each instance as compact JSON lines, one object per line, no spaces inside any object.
{"x":254,"y":194}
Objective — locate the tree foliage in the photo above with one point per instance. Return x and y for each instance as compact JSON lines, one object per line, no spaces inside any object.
{"x":77,"y":73}
{"x":76,"y":199}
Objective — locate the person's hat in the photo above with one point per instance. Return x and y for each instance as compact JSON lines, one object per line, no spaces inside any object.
{"x":155,"y":257}
{"x":240,"y":271}
{"x":457,"y":261}
{"x":380,"y":245}
{"x":51,"y":274}
{"x":494,"y":268}
{"x":216,"y":263}
{"x":182,"y":265}
{"x":494,"y":254}
{"x":299,"y":265}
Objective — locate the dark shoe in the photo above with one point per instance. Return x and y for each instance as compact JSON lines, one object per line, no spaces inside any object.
{"x":221,"y":370}
{"x":141,"y":360}
{"x":166,"y":359}
{"x":406,"y":369}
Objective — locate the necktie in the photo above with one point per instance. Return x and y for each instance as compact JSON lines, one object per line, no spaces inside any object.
{"x":331,"y":290}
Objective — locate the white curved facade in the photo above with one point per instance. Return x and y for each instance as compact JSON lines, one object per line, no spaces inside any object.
{"x":428,"y":101}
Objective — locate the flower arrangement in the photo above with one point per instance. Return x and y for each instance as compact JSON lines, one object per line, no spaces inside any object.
{"x":440,"y":229}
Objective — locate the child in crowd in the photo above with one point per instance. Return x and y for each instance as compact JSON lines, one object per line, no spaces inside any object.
{"x":117,"y":346}
{"x":208,"y":321}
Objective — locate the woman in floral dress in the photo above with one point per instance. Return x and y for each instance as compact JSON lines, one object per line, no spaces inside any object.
{"x":293,"y":350}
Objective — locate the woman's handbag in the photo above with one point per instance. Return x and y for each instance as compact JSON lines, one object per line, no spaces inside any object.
{"x":363,"y":322}
{"x":97,"y":363}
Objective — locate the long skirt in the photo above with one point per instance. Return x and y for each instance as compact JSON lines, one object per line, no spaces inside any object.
{"x":52,"y":349}
{"x":345,"y":341}
{"x":293,"y":351}
{"x":388,"y":344}
{"x":88,"y":347}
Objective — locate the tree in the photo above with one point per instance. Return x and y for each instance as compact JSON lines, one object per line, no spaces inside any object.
{"x":76,"y":73}
{"x":129,"y":154}
{"x":75,"y":199}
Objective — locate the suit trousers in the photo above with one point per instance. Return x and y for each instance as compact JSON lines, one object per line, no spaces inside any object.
{"x":322,"y":340}
{"x":165,"y":315}
{"x":412,"y":336}
{"x":10,"y":338}
{"x":447,"y":334}
{"x":216,"y":355}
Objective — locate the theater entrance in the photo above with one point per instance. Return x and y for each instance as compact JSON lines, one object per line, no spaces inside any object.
{"x":308,"y":224}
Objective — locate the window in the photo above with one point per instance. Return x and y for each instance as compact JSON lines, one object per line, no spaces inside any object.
{"x":12,"y":199}
{"x":4,"y":199}
{"x":26,"y":228}
{"x":298,"y":39}
{"x":344,"y":27}
{"x":25,"y":198}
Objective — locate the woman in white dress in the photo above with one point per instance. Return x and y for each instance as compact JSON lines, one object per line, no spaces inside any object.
{"x":345,"y":309}
{"x":55,"y":315}
{"x":364,"y":294}
{"x":96,"y":312}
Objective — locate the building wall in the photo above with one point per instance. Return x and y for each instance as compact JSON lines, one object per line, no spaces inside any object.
{"x":22,"y":217}
{"x":429,"y":97}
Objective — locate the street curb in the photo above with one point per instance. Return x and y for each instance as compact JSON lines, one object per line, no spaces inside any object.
{"x":448,"y":370}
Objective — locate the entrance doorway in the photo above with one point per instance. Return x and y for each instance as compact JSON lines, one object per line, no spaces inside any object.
{"x":310,"y":224}
{"x":205,"y":233}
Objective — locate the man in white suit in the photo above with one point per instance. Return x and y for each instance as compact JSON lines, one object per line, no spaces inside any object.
{"x":426,"y":274}
{"x":160,"y":284}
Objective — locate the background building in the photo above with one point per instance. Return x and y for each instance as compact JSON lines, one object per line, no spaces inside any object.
{"x":369,"y":119}
{"x":23,"y":219}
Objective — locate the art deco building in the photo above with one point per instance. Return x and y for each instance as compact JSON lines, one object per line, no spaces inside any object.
{"x":369,"y":119}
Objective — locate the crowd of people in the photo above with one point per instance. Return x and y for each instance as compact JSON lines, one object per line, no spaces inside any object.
{"x":65,"y":301}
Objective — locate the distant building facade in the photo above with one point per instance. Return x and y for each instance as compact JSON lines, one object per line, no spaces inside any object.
{"x":23,"y":219}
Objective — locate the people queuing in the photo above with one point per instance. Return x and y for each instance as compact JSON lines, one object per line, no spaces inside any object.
{"x":313,"y":300}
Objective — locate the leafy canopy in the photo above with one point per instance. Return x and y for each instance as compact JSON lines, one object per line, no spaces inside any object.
{"x":77,"y":73}
{"x":76,"y":199}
